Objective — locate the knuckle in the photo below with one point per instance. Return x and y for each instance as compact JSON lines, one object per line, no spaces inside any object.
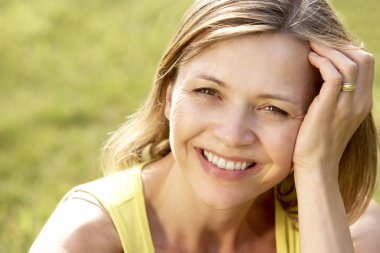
{"x":336,"y":79}
{"x":366,"y":58}
{"x":351,"y":70}
{"x":325,"y":61}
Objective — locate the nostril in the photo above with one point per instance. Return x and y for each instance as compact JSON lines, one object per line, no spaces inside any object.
{"x":235,"y":136}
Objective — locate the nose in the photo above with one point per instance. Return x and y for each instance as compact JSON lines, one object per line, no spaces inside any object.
{"x":234,"y":129}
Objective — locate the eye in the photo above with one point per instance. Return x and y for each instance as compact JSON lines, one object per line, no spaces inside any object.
{"x":275,"y":110}
{"x":207,"y":91}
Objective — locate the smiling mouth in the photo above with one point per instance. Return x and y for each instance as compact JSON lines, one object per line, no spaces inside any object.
{"x":226,"y":164}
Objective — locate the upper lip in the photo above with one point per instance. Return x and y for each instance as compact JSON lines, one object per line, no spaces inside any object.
{"x":230,"y":158}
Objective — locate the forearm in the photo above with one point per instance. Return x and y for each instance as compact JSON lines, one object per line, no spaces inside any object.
{"x":322,"y":218}
{"x":330,"y":122}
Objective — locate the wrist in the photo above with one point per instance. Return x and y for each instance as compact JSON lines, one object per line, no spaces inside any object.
{"x":317,"y":176}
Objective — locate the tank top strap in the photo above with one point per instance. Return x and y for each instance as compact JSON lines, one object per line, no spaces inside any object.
{"x":287,"y":236}
{"x":121,"y":194}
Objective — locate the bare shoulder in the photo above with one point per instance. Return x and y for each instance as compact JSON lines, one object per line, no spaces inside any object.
{"x":366,"y":230}
{"x":79,"y":224}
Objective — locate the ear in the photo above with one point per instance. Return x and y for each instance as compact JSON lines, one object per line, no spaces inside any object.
{"x":168,"y":100}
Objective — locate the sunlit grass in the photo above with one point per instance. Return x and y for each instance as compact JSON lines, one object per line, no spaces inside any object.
{"x":69,"y":72}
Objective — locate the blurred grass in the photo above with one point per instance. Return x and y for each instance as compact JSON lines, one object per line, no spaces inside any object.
{"x":69,"y":72}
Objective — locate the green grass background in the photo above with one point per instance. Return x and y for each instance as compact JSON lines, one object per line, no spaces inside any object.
{"x":69,"y":73}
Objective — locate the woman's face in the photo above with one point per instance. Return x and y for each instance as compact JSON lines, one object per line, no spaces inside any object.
{"x":234,"y":114}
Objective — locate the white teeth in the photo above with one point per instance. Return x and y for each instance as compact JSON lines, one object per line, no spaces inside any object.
{"x":230,"y":165}
{"x":214,"y":160}
{"x":226,"y":164}
{"x":221,"y":163}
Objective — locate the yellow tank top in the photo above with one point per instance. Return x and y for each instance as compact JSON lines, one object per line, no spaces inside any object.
{"x":121,"y":194}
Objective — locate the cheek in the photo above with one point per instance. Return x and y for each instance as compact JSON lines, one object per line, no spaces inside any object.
{"x":183,"y":118}
{"x":190,"y":114}
{"x":280,"y":140}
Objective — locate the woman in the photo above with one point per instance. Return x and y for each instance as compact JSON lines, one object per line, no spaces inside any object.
{"x":253,"y":101}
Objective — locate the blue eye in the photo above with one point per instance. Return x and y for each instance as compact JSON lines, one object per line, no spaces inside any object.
{"x":275,"y":110}
{"x":207,"y":91}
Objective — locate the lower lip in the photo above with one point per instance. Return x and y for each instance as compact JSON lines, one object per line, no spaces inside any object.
{"x":227,"y":175}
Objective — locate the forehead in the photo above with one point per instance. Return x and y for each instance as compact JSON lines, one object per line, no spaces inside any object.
{"x":271,"y":59}
{"x":270,"y":50}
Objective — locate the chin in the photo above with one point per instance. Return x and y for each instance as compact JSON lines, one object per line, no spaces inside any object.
{"x":221,"y":198}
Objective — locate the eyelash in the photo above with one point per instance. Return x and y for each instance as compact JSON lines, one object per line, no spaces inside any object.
{"x":268,"y":108}
{"x":275,"y":110}
{"x":207,"y":91}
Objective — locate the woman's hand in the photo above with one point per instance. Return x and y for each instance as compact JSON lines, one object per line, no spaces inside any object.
{"x":332,"y":118}
{"x":334,"y":115}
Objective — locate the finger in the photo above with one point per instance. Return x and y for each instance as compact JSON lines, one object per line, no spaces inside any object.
{"x":366,"y":65}
{"x":363,"y":60}
{"x":349,"y":71}
{"x":332,"y":79}
{"x":363,"y":99}
{"x":345,"y":65}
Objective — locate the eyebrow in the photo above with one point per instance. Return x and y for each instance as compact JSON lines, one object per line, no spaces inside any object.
{"x":211,"y":78}
{"x":262,"y":96}
{"x":276,"y":97}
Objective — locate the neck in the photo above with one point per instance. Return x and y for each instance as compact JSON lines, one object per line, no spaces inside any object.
{"x":179,"y":220}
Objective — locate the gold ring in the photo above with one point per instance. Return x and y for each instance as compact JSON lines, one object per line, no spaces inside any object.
{"x":349,"y":86}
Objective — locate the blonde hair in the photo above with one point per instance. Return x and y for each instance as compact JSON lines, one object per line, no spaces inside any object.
{"x":145,"y":135}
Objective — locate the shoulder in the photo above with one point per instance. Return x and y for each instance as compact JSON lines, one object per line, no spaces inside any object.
{"x":79,"y":224}
{"x":366,"y":230}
